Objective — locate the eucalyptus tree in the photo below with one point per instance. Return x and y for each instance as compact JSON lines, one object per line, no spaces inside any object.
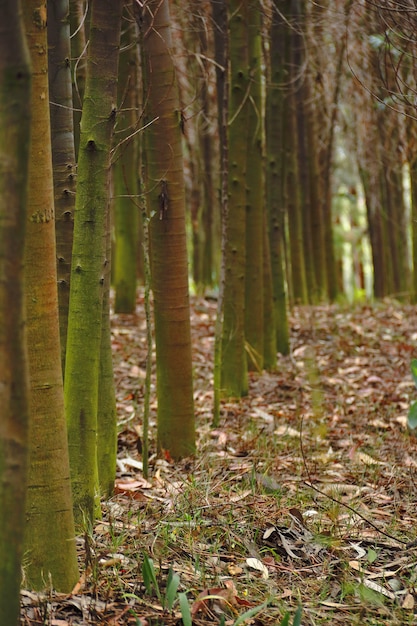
{"x":276,"y":169}
{"x":49,"y":533}
{"x":234,"y":379}
{"x":78,"y":22}
{"x":63,"y":151}
{"x":255,"y":195}
{"x":15,"y":116}
{"x":89,"y":259}
{"x":221,"y":56}
{"x":125,"y":171}
{"x":166,"y":211}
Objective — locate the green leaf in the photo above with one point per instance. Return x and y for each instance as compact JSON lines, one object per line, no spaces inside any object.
{"x":413,"y":367}
{"x":369,"y":595}
{"x":173,"y":583}
{"x":185,"y":610}
{"x":371,"y":556}
{"x":248,"y":614}
{"x":412,"y":416}
{"x":149,"y":577}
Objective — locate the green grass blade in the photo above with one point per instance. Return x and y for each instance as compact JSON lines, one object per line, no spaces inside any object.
{"x":149,"y":577}
{"x":285,"y":620}
{"x":297,"y":617}
{"x":185,"y":610}
{"x":412,"y":416}
{"x":171,"y":592}
{"x":414,"y":370}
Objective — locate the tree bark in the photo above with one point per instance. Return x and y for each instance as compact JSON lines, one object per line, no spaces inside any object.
{"x":49,"y":533}
{"x":63,"y":152}
{"x":125,"y":174}
{"x":169,"y":265}
{"x":234,"y":381}
{"x":15,"y":116}
{"x":255,"y":206}
{"x":89,"y":259}
{"x":276,"y":164}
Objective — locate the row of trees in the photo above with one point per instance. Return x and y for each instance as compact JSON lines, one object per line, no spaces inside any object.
{"x":105,"y":112}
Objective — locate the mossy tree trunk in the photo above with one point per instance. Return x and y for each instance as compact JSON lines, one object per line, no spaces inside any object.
{"x":125,"y":173}
{"x":300,"y":99}
{"x":89,"y":260}
{"x":255,"y":205}
{"x":169,"y":265}
{"x":106,"y":408}
{"x":270,"y":348}
{"x":63,"y":152}
{"x":234,"y":380}
{"x":293,"y":181}
{"x":49,"y":533}
{"x":15,"y":116}
{"x":275,"y":172}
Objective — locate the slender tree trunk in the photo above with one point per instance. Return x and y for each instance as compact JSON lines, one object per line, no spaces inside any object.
{"x":208,"y":202}
{"x":49,"y":533}
{"x":221,"y":53}
{"x":106,"y":410}
{"x":63,"y":152}
{"x":89,"y":253}
{"x":125,"y":174}
{"x":255,"y":207}
{"x":276,"y":167}
{"x":234,"y":362}
{"x":413,"y":188}
{"x":315,"y":192}
{"x":166,"y":207}
{"x":293,"y":181}
{"x":15,"y":116}
{"x":300,"y":96}
{"x":78,"y":21}
{"x":270,"y":349}
{"x":331,"y":272}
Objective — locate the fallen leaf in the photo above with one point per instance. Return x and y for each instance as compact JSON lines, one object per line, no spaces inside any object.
{"x":259,"y":566}
{"x":378,"y":588}
{"x":408,"y":602}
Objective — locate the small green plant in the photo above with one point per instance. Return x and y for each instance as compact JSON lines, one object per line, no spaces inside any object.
{"x":412,"y":413}
{"x":171,"y":595}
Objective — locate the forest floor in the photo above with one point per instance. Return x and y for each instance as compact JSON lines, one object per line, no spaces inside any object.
{"x":304,"y":496}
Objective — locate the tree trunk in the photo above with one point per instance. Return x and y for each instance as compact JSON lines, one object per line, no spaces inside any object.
{"x":413,"y":189}
{"x":63,"y":152}
{"x":78,"y":57}
{"x":15,"y":115}
{"x":234,"y":363}
{"x":276,"y":166}
{"x":125,"y":175}
{"x":106,"y":410}
{"x":89,"y":253}
{"x":169,"y":265}
{"x":255,"y":206}
{"x":221,"y":55}
{"x":49,"y":533}
{"x":292,"y":181}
